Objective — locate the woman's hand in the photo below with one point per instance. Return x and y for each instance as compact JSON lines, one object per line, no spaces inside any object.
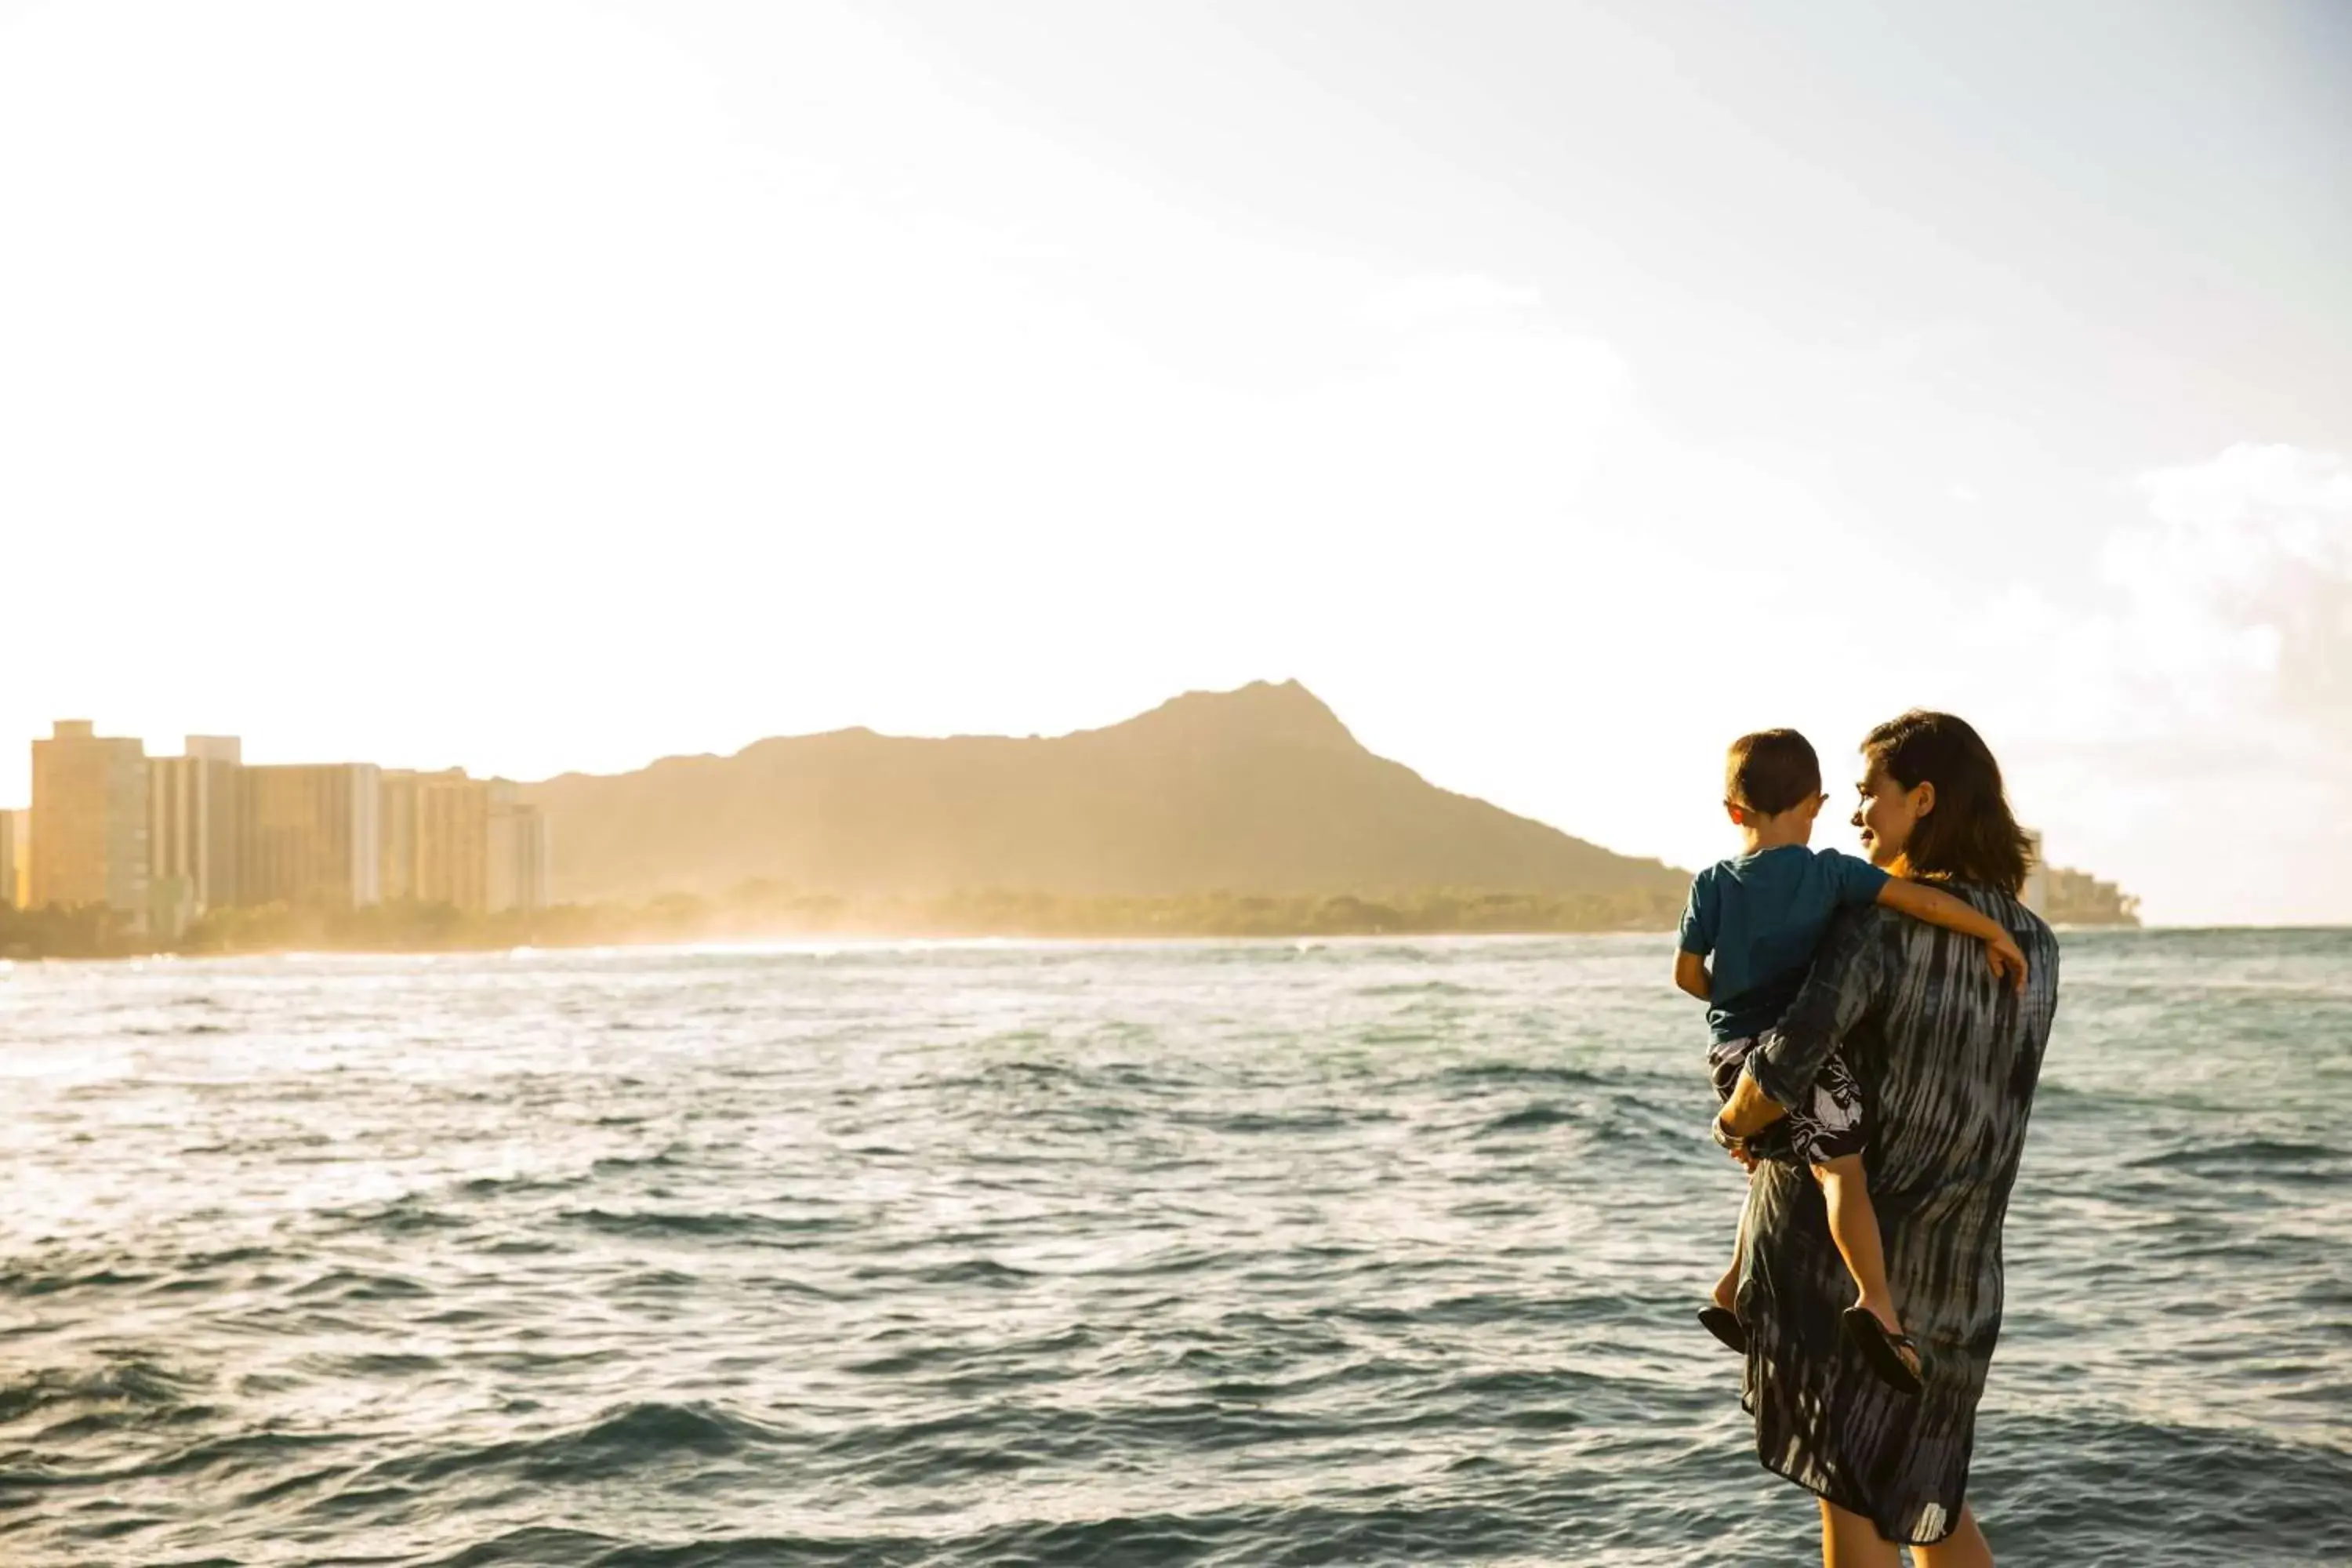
{"x":2008,"y":963}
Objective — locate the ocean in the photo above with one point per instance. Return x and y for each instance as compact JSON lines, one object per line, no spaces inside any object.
{"x":1238,"y":1253}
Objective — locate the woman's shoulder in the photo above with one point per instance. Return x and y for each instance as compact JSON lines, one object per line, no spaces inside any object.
{"x":1920,"y":948}
{"x":1912,"y":942}
{"x":2008,"y":909}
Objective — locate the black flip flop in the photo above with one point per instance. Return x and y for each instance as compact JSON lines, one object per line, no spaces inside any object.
{"x":1882,"y":1349}
{"x":1723,"y":1324}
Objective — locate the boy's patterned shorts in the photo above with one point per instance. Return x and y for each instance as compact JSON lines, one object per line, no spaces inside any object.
{"x":1831,"y":1127}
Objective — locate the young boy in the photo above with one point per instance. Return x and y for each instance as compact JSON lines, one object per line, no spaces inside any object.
{"x":1760,"y":914}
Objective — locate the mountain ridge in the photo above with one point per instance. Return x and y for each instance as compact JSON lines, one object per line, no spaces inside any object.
{"x":1260,"y":790}
{"x":1180,"y":702}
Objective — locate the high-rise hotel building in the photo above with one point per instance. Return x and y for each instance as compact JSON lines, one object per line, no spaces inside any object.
{"x":517,"y":851}
{"x":192,"y":837}
{"x":165,"y":840}
{"x":478,"y":848}
{"x":312,"y":835}
{"x":441,"y":839}
{"x":89,"y":820}
{"x":452,"y":842}
{"x":397,"y":813}
{"x":11,"y":895}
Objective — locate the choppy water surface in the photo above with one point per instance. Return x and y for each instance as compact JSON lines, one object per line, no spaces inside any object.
{"x":1229,"y":1254}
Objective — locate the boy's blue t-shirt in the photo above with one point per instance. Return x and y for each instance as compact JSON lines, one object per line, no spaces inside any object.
{"x":1761,"y":916}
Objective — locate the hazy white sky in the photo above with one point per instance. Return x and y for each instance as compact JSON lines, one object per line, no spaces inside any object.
{"x":1558,"y":390}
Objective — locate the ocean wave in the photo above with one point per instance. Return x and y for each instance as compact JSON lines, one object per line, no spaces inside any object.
{"x":1481,"y":1075}
{"x":939,"y":1257}
{"x":1529,"y":1118}
{"x":359,"y":1285}
{"x":137,"y":1385}
{"x":622,"y":1441}
{"x":35,"y":1282}
{"x":2263,"y":1158}
{"x":1275,"y":1535}
{"x":772,"y":1230}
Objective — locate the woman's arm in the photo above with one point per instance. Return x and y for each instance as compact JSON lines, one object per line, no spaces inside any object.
{"x":1690,"y":973}
{"x":1940,"y":909}
{"x":1843,"y":988}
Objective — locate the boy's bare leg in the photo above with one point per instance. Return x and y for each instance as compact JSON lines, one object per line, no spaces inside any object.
{"x":1853,"y":1226}
{"x":1726,"y":1290}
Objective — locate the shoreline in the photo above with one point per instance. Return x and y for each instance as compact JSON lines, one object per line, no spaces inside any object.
{"x":763,"y":915}
{"x":757,"y":913}
{"x":815,"y":937}
{"x":836,"y":941}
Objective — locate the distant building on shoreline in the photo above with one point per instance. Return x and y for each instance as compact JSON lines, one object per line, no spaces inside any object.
{"x":165,"y":840}
{"x":11,"y":895}
{"x":452,"y":842}
{"x":2077,"y":898}
{"x":312,"y":835}
{"x":2064,"y":897}
{"x":517,"y":851}
{"x":90,"y":821}
{"x":478,"y":849}
{"x":194,"y":837}
{"x":396,"y":882}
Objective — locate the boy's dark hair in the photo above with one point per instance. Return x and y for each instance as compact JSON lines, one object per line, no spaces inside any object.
{"x":1970,"y":834}
{"x":1772,"y":771}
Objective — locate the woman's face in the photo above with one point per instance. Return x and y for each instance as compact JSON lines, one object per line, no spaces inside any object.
{"x":1887,"y":815}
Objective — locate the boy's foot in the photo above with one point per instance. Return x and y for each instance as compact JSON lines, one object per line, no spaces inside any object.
{"x":1889,"y":1354}
{"x":1723,"y":1324}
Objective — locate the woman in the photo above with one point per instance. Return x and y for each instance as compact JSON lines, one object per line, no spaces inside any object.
{"x":1947,"y":1058}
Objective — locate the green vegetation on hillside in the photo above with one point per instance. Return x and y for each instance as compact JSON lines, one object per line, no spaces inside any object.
{"x":760,"y":909}
{"x":764,"y":909}
{"x":92,"y":932}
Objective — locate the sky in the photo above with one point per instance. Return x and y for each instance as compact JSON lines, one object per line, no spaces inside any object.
{"x":1559,"y":390}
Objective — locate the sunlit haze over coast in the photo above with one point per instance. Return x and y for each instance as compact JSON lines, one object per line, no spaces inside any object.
{"x":1556,"y":391}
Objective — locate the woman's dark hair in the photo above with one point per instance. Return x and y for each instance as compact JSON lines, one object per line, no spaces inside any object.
{"x":1969,"y":835}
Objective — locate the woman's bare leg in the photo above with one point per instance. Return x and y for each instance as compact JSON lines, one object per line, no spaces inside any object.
{"x":1850,"y":1541}
{"x":1964,"y":1548}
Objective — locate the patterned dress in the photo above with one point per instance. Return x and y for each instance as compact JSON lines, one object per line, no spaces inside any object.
{"x":1947,"y":1060}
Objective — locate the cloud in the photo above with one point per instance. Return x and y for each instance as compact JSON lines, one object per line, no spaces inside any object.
{"x":1452,"y":296}
{"x":2243,"y":575}
{"x":2189,"y":728}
